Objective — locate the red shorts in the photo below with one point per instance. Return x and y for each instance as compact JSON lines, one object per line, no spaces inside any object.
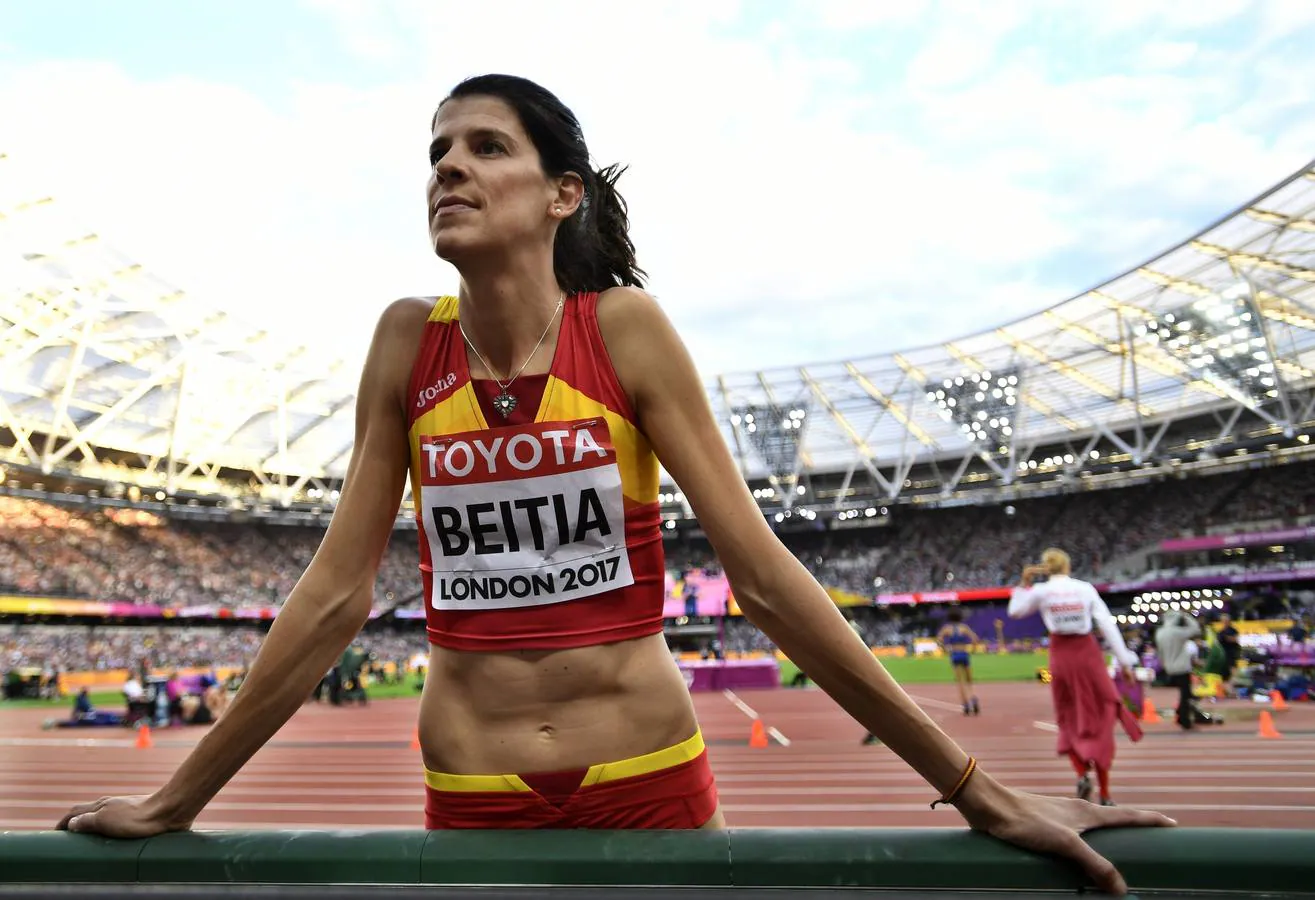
{"x":671,"y":788}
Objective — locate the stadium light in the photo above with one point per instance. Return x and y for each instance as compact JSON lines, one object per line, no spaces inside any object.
{"x":1219,"y":337}
{"x":983,"y":404}
{"x":776,"y":434}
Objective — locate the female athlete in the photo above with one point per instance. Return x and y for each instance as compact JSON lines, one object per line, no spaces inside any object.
{"x":1086,"y":701}
{"x":532,"y":413}
{"x":957,"y":637}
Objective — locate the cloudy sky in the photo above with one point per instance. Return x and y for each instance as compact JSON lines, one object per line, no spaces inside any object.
{"x":808,"y":181}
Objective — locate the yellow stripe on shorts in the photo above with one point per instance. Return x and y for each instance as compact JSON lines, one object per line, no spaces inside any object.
{"x":647,"y":764}
{"x":667,"y":758}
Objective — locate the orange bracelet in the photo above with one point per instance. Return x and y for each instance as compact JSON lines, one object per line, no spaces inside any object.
{"x":967,"y":773}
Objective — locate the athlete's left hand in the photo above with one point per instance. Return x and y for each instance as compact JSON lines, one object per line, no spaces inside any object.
{"x":1053,"y":825}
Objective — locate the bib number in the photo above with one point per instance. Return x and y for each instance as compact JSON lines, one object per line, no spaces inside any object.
{"x":525,"y":516}
{"x":1069,"y":620}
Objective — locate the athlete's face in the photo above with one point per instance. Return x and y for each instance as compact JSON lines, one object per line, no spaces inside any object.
{"x":487,"y":189}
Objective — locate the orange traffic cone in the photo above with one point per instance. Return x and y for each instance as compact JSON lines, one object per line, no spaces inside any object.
{"x":1267,"y":729}
{"x":144,"y":741}
{"x":1276,"y":699}
{"x":1149,"y":713}
{"x":757,"y":734}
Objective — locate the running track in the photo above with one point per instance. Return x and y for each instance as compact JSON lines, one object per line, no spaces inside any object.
{"x":353,"y":767}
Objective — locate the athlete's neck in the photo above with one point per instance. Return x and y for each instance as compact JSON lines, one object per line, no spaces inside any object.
{"x":504,"y":313}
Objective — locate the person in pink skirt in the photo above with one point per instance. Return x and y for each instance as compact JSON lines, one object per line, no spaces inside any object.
{"x":1086,"y":701}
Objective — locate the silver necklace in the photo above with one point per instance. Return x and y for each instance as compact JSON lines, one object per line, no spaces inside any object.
{"x":505,"y":403}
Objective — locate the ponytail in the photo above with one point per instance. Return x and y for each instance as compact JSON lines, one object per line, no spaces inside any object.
{"x":594,"y":251}
{"x":617,"y":250}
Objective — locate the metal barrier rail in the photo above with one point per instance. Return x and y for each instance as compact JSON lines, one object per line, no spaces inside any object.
{"x":1180,"y":861}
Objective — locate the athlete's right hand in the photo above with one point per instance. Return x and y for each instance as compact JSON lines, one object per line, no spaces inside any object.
{"x":120,"y":817}
{"x":1053,"y":825}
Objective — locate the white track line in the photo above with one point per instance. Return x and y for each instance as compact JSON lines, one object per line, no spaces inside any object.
{"x":753,"y":714}
{"x":730,"y":787}
{"x":220,"y":825}
{"x":937,"y":704}
{"x":67,"y":742}
{"x":1046,"y":726}
{"x":883,"y":780}
{"x":922,"y":808}
{"x":740,"y":704}
{"x":239,"y":806}
{"x":410,"y":809}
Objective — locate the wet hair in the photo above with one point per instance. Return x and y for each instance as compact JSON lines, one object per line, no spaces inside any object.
{"x":593,"y":250}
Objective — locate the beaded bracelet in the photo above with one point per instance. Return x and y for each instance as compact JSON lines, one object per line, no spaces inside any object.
{"x":967,"y":773}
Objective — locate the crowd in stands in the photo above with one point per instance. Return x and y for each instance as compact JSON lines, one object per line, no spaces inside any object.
{"x":133,"y":556}
{"x":99,"y":648}
{"x":878,"y":628}
{"x":987,"y":546}
{"x":1273,"y":495}
{"x":136,"y":557}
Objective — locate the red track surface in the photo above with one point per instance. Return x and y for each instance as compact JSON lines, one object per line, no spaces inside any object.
{"x":352,"y":767}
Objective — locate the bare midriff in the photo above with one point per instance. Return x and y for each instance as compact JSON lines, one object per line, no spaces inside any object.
{"x":551,"y":710}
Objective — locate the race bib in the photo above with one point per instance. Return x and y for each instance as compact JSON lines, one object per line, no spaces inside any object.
{"x":1068,"y":616}
{"x":523,"y":516}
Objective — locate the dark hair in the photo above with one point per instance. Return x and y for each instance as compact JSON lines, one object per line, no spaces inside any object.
{"x":593,"y":250}
{"x":954,"y":615}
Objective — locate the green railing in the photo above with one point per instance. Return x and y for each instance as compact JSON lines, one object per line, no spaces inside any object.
{"x":1181,"y":860}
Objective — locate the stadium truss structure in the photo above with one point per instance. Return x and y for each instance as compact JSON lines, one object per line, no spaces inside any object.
{"x":1201,"y":354}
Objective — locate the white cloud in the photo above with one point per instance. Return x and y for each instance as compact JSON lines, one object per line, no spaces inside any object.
{"x":1147,"y":19}
{"x":848,"y":15}
{"x":1167,"y":54}
{"x":962,"y":44}
{"x":368,"y":32}
{"x":791,"y":203}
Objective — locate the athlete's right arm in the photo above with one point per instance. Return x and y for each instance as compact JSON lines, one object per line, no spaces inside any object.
{"x":321,"y":615}
{"x":1023,"y":602}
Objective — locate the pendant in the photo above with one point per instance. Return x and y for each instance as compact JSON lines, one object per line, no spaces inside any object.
{"x":504,"y":403}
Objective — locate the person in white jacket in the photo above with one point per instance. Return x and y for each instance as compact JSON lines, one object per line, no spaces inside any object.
{"x":1086,"y":701}
{"x":1173,"y":643}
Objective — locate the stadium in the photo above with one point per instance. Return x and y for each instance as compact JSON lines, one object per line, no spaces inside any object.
{"x":168,"y":471}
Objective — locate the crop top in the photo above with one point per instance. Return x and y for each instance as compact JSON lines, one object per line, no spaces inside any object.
{"x":541,"y":529}
{"x":956,"y":635}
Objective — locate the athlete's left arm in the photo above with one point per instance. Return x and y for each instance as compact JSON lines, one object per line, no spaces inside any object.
{"x":779,"y":596}
{"x":1104,"y":622}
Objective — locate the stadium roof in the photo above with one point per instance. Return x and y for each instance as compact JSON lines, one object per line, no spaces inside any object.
{"x":108,"y":370}
{"x":101,"y":358}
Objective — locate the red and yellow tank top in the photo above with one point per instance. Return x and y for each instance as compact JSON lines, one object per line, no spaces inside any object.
{"x":540,"y":530}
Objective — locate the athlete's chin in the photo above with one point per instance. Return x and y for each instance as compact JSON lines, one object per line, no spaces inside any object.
{"x":453,"y":247}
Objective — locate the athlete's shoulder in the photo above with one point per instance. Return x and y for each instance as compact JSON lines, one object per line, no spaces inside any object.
{"x":408,"y":311}
{"x":647,"y":353}
{"x":627,"y":307}
{"x":401,"y":325}
{"x":397,"y":338}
